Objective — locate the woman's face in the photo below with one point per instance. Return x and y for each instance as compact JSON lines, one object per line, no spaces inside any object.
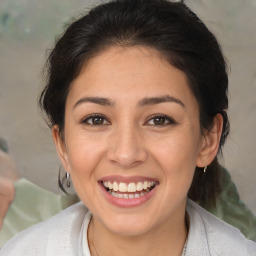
{"x":131,"y":140}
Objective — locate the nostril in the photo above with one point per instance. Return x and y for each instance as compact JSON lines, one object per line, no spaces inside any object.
{"x":126,"y":147}
{"x":127,"y":158}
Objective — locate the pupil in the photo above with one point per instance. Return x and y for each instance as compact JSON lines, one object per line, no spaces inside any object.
{"x":159,"y":120}
{"x":97,"y":120}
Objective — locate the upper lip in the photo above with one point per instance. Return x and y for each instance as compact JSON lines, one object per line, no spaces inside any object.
{"x":127,"y":179}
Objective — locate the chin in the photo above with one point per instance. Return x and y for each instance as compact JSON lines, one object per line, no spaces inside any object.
{"x":129,"y":230}
{"x":129,"y":225}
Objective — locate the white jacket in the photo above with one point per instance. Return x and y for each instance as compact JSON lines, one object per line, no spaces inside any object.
{"x":62,"y":235}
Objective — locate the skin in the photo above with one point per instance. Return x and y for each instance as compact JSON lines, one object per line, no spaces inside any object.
{"x":129,"y":141}
{"x":7,"y":193}
{"x":8,"y":174}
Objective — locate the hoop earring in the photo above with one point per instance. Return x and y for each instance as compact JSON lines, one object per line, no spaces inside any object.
{"x":205,"y":169}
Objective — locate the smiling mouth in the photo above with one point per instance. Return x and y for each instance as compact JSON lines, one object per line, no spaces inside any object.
{"x":128,"y":190}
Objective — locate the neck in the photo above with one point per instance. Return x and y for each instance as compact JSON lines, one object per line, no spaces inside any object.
{"x":167,"y":239}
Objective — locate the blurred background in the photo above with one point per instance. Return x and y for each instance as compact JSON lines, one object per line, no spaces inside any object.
{"x":29,"y":27}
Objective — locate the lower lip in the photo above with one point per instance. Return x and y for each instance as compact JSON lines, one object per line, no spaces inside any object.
{"x":125,"y":203}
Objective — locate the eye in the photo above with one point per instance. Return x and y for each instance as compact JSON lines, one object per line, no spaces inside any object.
{"x":160,"y":120}
{"x":95,"y":119}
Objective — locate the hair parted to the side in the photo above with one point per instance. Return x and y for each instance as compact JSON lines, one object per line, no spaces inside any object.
{"x":169,"y":27}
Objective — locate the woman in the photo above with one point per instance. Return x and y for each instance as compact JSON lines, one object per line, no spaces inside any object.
{"x":136,"y":99}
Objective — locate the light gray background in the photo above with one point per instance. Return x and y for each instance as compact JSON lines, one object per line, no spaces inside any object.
{"x":28,"y":27}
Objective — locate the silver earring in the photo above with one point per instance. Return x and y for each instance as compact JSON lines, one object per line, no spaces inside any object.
{"x":68,"y":180}
{"x":205,"y":169}
{"x":65,"y":182}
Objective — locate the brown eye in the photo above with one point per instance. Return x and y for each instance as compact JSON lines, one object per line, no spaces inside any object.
{"x":160,"y":120}
{"x":95,"y":120}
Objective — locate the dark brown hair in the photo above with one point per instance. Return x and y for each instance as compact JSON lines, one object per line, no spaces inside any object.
{"x":169,"y":27}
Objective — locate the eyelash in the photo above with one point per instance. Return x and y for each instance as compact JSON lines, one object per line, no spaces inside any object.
{"x":86,"y":120}
{"x":167,"y":120}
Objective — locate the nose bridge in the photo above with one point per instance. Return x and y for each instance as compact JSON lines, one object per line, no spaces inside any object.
{"x":127,"y":148}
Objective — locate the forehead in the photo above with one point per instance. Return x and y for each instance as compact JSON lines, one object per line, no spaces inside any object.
{"x":120,"y":72}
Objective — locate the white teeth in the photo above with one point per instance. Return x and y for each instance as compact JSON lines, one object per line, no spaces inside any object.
{"x":116,"y":194}
{"x":115,"y":186}
{"x":110,"y":186}
{"x":119,"y":195}
{"x":131,"y":196}
{"x":126,"y":196}
{"x":130,"y":187}
{"x":139,"y":186}
{"x":122,"y":187}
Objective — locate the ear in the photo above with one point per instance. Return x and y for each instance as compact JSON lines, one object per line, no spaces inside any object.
{"x":61,"y":147}
{"x":210,"y":142}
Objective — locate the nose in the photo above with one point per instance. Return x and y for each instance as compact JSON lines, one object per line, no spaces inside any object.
{"x":126,"y":147}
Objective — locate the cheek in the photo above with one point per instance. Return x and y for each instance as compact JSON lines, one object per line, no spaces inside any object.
{"x":178,"y":147}
{"x":83,"y":151}
{"x":83,"y":156}
{"x":177,"y":157}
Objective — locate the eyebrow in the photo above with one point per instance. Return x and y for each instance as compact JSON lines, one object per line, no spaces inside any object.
{"x":158,"y":100}
{"x":144,"y":102}
{"x":96,"y":100}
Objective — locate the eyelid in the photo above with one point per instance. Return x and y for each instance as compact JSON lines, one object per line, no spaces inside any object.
{"x":170,"y":119}
{"x":85,"y":119}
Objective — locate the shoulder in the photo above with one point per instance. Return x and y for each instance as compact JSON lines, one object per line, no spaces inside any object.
{"x":54,"y":236}
{"x":217,"y":237}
